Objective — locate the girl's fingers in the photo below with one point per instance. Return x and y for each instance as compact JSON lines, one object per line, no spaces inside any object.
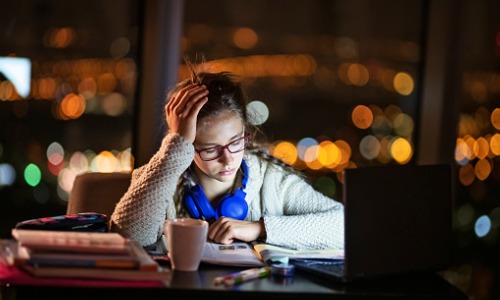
{"x":187,"y":97}
{"x":194,"y":103}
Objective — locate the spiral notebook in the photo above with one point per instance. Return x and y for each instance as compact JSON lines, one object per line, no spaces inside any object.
{"x":398,"y":220}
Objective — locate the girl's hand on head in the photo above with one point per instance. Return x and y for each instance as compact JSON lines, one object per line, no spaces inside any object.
{"x":182,"y":110}
{"x":226,"y":230}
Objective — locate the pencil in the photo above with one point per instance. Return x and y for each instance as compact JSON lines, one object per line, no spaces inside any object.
{"x":247,"y":275}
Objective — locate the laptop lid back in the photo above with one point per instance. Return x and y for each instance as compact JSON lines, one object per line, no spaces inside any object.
{"x":398,"y":219}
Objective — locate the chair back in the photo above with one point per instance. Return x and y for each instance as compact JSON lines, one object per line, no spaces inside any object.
{"x":97,"y":192}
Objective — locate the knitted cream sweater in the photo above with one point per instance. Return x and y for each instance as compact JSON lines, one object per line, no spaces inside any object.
{"x":295,"y":215}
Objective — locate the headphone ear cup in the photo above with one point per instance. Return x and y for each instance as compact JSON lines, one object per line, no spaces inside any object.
{"x":232,"y":206}
{"x":197,"y":203}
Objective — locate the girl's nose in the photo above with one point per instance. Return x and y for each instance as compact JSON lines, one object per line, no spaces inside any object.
{"x":226,"y":156}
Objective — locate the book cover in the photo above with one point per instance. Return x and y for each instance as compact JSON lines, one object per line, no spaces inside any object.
{"x":161,"y":274}
{"x":135,"y":258}
{"x":96,"y":242}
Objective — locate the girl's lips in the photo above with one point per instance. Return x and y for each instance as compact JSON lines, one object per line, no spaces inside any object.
{"x":226,"y":172}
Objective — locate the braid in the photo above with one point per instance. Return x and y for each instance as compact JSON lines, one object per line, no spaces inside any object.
{"x":179,"y":197}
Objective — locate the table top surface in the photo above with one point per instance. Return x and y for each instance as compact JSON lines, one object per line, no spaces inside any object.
{"x":301,"y":285}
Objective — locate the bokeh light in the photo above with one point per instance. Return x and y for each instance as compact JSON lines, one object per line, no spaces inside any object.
{"x":403,"y":125}
{"x":7,"y":174}
{"x":32,"y":175}
{"x":105,"y":162}
{"x":482,"y":169}
{"x":120,"y":47}
{"x":258,"y":112}
{"x":286,"y":151}
{"x":114,"y":104}
{"x":401,"y":150}
{"x":495,"y":144}
{"x":495,"y":118}
{"x":403,"y":83}
{"x":72,"y":106}
{"x":369,"y":147}
{"x":326,"y":185}
{"x":329,"y":154}
{"x":482,"y":226}
{"x":465,"y":215}
{"x":466,"y":174}
{"x":362,"y":117}
{"x":303,"y":145}
{"x":245,"y":38}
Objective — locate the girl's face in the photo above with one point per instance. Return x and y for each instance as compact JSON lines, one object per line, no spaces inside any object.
{"x":219,"y":131}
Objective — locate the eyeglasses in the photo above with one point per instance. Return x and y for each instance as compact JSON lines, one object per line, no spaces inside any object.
{"x":217,"y":151}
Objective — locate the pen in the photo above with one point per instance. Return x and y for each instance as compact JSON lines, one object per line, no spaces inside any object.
{"x":246,"y":275}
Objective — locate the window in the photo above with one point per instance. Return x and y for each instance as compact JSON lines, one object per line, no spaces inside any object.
{"x":77,"y":115}
{"x":335,"y":83}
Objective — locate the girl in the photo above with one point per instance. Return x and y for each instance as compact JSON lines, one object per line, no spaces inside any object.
{"x":205,"y":168}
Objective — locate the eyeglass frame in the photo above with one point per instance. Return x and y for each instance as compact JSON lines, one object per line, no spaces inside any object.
{"x":221,"y":148}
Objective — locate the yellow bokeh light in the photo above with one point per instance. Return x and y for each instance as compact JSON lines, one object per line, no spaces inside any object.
{"x":362,"y":116}
{"x":403,"y":83}
{"x":462,"y":151}
{"x":345,"y":151}
{"x":495,"y":144}
{"x":357,"y":74}
{"x":495,"y":118}
{"x":72,"y":106}
{"x":329,"y":154}
{"x":482,"y":169}
{"x":314,"y":165}
{"x":481,"y":148}
{"x":401,"y":150}
{"x":286,"y":151}
{"x":105,"y":162}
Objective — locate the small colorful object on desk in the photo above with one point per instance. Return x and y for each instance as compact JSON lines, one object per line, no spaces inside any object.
{"x":243,"y":276}
{"x":282,"y":270}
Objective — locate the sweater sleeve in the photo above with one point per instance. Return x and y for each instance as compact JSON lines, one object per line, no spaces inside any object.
{"x":309,"y":220}
{"x":141,"y":212}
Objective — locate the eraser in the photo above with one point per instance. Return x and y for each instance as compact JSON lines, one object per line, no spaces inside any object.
{"x":282,"y":269}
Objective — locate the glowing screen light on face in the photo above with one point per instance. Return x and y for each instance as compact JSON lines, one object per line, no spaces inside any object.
{"x":18,"y":71}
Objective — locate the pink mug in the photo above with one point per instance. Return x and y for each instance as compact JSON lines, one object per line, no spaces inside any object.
{"x":186,"y":239}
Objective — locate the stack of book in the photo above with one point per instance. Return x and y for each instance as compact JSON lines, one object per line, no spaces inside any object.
{"x":107,"y":255}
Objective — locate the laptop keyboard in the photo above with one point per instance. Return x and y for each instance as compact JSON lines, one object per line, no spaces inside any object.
{"x":329,"y":266}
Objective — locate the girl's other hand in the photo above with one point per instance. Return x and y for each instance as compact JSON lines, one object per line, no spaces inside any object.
{"x":182,"y":110}
{"x":227,"y":230}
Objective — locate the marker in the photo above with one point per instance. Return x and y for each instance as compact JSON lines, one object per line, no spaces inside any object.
{"x":243,"y":276}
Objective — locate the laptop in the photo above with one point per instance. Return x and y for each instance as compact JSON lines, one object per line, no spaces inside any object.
{"x":398,"y":220}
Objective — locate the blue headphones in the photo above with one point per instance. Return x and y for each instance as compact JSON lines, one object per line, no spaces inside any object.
{"x":232,"y":205}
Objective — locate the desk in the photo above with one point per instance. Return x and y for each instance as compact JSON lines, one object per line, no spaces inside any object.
{"x":198,"y":285}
